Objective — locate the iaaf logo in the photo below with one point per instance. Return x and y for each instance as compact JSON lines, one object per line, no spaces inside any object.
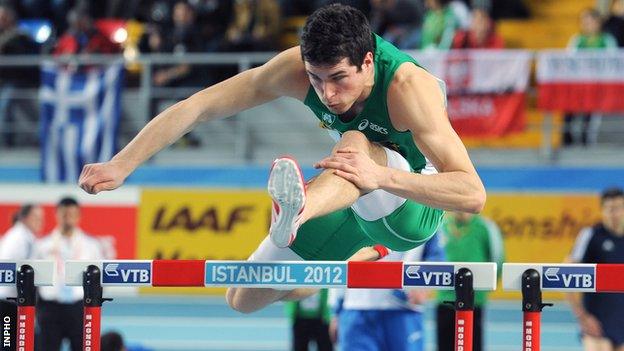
{"x":428,"y":275}
{"x":127,"y":273}
{"x":374,"y":127}
{"x":568,"y":277}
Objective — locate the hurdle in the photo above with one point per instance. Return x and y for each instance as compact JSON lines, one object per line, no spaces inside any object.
{"x":25,"y":276}
{"x":533,"y":278}
{"x":464,"y":277}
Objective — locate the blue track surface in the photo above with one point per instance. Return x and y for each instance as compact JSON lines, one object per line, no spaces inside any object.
{"x":206,"y":323}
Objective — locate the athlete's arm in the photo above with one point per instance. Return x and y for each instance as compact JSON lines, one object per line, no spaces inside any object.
{"x":284,"y":75}
{"x":416,"y":103}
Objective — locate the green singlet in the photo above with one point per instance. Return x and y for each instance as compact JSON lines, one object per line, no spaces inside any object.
{"x":340,"y":234}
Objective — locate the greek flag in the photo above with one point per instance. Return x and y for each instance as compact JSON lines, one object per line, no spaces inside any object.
{"x":80,"y":113}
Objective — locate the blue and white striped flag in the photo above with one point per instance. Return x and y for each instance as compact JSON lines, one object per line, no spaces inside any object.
{"x":80,"y":113}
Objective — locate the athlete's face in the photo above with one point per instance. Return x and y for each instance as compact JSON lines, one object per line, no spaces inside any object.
{"x":613,"y":214}
{"x":341,"y":85}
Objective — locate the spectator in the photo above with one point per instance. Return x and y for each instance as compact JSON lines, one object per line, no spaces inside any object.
{"x":310,"y":322}
{"x":254,"y":27}
{"x":60,"y":307}
{"x":439,"y":25}
{"x":398,"y":21}
{"x":380,"y":320}
{"x":599,"y":314}
{"x":13,"y":42}
{"x":614,"y":24}
{"x":466,"y":238}
{"x":482,"y":34}
{"x":113,"y":341}
{"x":591,"y":37}
{"x":213,"y":16}
{"x":17,"y":244}
{"x":184,"y":38}
{"x":83,"y":37}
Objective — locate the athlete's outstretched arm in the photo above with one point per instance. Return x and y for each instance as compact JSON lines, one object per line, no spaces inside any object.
{"x":256,"y":86}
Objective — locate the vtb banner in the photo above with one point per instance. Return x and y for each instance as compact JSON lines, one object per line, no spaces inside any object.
{"x":486,"y":89}
{"x":580,"y":81}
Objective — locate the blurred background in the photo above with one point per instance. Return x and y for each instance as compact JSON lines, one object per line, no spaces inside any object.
{"x":535,"y":91}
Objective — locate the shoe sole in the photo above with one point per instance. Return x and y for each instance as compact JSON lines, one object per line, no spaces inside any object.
{"x":287,"y":189}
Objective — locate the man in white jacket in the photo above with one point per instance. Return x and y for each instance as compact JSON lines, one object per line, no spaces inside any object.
{"x":60,"y":308}
{"x":17,"y":244}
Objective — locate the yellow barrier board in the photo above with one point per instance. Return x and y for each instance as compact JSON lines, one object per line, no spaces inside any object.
{"x":201,"y":224}
{"x":540,"y":227}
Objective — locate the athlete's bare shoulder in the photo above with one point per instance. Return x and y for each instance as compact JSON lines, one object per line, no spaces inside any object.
{"x":415,"y":90}
{"x":285,"y":74}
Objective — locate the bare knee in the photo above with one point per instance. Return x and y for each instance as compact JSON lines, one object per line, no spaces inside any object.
{"x":354,"y":137}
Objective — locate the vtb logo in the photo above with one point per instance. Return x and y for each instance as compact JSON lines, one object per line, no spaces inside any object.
{"x":568,"y":277}
{"x":7,"y":273}
{"x":428,"y":275}
{"x":127,"y":273}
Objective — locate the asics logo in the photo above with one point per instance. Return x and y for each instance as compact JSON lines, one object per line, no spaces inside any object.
{"x":372,"y":126}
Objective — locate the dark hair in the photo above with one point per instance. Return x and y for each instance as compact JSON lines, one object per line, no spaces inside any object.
{"x":67,"y":201}
{"x":334,"y":32}
{"x":111,"y":341}
{"x":23,"y":212}
{"x":593,"y":13}
{"x":611,"y":193}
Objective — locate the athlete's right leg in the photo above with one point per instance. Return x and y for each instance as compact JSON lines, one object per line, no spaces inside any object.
{"x":295,"y":203}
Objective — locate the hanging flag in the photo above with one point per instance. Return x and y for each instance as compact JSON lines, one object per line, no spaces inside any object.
{"x":80,"y":113}
{"x":486,"y":89}
{"x":580,"y":81}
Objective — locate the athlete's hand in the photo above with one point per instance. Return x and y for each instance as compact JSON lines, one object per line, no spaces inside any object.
{"x":590,"y":325}
{"x":355,"y":166}
{"x":96,"y":177}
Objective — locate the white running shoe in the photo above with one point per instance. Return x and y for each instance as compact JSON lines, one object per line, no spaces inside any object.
{"x":287,"y":189}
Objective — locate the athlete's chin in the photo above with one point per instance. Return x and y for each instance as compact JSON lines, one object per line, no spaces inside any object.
{"x":338,"y":109}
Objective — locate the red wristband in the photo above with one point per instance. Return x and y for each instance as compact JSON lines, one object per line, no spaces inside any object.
{"x":382,"y":250}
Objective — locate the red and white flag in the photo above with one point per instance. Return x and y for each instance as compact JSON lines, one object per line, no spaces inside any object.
{"x":486,"y":89}
{"x":581,"y":81}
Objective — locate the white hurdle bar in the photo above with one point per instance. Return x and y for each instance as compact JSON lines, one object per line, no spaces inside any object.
{"x":44,"y":271}
{"x":567,"y":277}
{"x":288,"y":274}
{"x":532,"y":278}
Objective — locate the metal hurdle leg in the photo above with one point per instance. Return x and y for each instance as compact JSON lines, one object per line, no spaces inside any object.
{"x":26,"y":299}
{"x":532,"y":308}
{"x":91,"y":283}
{"x":464,"y":309}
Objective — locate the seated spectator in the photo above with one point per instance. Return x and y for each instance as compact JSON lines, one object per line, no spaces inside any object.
{"x":398,"y":21}
{"x":481,"y":35}
{"x":14,"y":42}
{"x":83,"y":37}
{"x":590,"y":37}
{"x":614,"y":24}
{"x":439,"y":25}
{"x":254,"y":26}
